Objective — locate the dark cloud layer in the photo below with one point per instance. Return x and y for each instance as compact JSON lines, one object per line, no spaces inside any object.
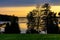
{"x":26,"y":2}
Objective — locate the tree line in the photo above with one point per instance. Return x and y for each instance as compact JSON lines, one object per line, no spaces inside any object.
{"x":44,"y":19}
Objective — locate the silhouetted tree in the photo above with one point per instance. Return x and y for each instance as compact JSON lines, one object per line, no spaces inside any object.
{"x":31,"y":23}
{"x":14,"y":25}
{"x":59,"y":13}
{"x":7,"y":28}
{"x":51,"y":24}
{"x":56,"y":23}
{"x":50,"y":20}
{"x":59,"y":21}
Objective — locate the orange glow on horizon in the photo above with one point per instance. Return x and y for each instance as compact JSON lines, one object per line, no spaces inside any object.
{"x":17,"y":11}
{"x":22,"y":10}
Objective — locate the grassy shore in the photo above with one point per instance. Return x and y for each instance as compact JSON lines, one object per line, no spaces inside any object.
{"x":29,"y":36}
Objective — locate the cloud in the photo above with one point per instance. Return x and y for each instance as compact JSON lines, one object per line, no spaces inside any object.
{"x":26,"y":2}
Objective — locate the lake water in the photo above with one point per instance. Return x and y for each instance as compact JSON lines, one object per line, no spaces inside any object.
{"x":23,"y":27}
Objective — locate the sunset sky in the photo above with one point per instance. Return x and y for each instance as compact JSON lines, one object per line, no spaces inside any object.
{"x":22,"y":7}
{"x":23,"y":10}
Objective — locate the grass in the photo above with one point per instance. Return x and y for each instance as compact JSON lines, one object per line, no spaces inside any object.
{"x":29,"y":36}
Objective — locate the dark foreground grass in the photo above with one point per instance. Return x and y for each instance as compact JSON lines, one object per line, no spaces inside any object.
{"x":29,"y":36}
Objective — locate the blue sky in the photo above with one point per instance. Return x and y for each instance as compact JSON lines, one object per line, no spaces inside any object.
{"x":26,"y":2}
